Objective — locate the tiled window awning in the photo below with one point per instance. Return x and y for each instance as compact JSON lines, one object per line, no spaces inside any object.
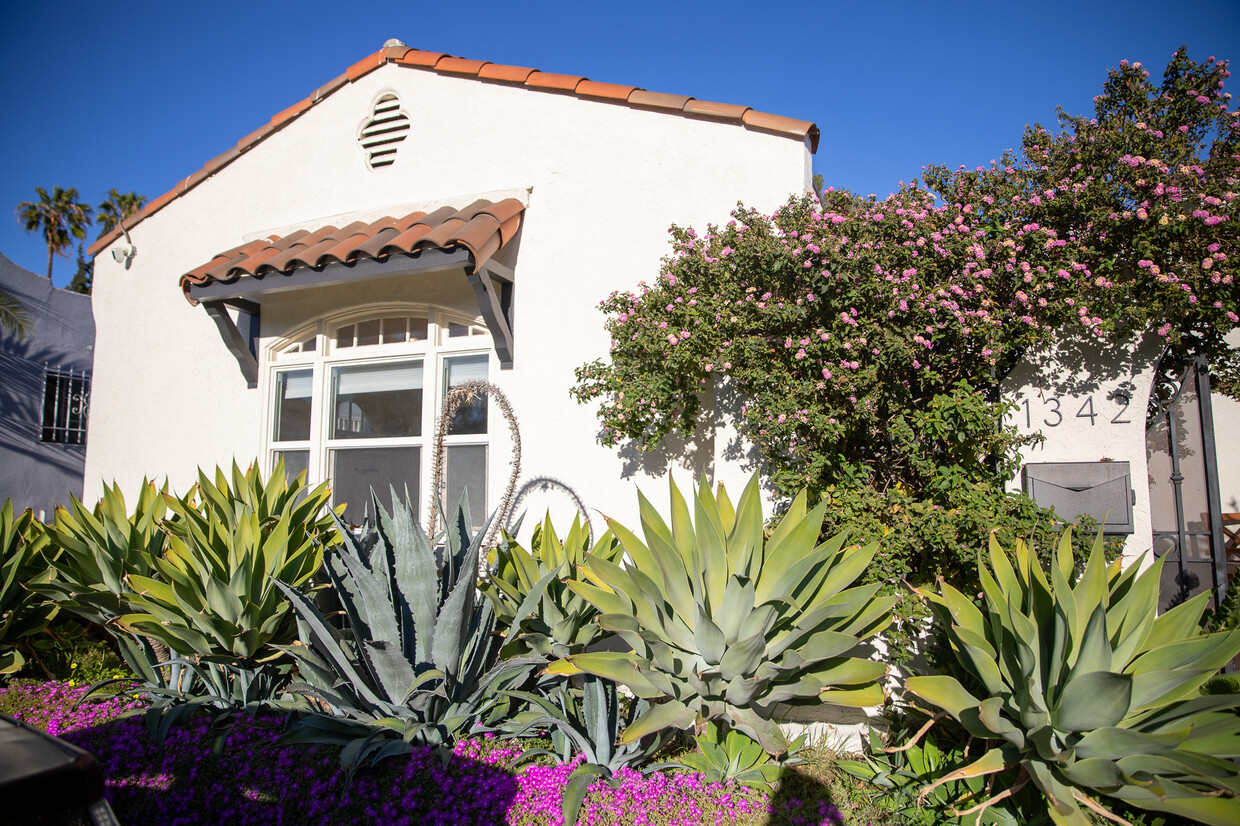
{"x":447,"y":238}
{"x":481,"y":229}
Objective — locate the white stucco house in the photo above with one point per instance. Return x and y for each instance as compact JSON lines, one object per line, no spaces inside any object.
{"x":418,"y":221}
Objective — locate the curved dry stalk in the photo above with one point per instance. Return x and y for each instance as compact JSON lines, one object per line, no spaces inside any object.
{"x":958,"y":774}
{"x":1098,"y":808}
{"x":463,"y":392}
{"x":917,"y":737}
{"x":990,"y":801}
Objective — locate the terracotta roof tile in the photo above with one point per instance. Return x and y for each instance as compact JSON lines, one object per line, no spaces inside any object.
{"x":482,"y":228}
{"x":329,"y":87}
{"x":605,"y":91}
{"x":365,"y":66}
{"x":255,"y":136}
{"x":460,"y":66}
{"x":658,"y":100}
{"x":416,"y":57}
{"x":532,"y":79}
{"x":505,"y":74}
{"x":553,"y":82}
{"x":280,"y":118}
{"x":780,"y":125}
{"x":718,"y":111}
{"x":393,"y":53}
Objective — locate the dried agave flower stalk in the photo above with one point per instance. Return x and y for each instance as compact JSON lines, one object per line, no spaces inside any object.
{"x":463,"y":392}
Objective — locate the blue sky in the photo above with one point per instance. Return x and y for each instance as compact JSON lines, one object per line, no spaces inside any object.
{"x":139,"y":95}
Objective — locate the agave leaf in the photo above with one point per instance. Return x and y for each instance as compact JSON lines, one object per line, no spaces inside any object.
{"x":1184,"y":802}
{"x":712,"y":547}
{"x":736,"y":605}
{"x":668,"y":714}
{"x":743,"y":658}
{"x":1094,"y":653}
{"x":745,"y":538}
{"x":709,"y":639}
{"x":1096,"y":699}
{"x":611,"y":665}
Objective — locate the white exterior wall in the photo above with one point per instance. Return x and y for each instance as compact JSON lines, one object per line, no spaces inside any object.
{"x":1076,"y":370}
{"x":1055,"y":390}
{"x":602,"y":183}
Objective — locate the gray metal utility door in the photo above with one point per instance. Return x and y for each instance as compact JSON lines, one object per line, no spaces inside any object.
{"x":1184,"y":491}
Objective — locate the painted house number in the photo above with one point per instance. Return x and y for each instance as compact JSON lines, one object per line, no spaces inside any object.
{"x":1051,"y":411}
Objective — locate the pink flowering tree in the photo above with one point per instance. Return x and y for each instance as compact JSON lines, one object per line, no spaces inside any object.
{"x":868,"y":337}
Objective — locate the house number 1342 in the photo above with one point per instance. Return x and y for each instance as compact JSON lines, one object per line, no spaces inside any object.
{"x":1051,"y":411}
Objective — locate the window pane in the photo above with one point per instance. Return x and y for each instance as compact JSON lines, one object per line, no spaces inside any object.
{"x":417,"y":329}
{"x":467,"y":470}
{"x":355,"y":472}
{"x":307,"y":346}
{"x":377,"y":400}
{"x":457,"y":330}
{"x":292,"y":414}
{"x":344,"y":336}
{"x":393,"y":330}
{"x":471,"y":416}
{"x":368,"y":333}
{"x":295,"y":461}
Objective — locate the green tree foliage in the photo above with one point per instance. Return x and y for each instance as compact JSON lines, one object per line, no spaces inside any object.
{"x":116,"y":207}
{"x":84,"y":278}
{"x":59,"y":217}
{"x":14,"y":317}
{"x":867,"y":338}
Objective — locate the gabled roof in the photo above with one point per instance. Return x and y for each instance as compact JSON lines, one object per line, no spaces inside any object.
{"x":482,"y":228}
{"x":402,"y":55}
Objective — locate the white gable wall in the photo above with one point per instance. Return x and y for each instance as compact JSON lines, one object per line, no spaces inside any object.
{"x":602,"y":182}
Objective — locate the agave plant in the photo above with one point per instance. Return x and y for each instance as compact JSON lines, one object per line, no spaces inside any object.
{"x":99,"y":549}
{"x":212,"y":593}
{"x":588,"y":722}
{"x":22,"y":612}
{"x":732,"y":756}
{"x":725,"y":624}
{"x":1078,"y":688}
{"x":417,"y":656}
{"x":563,"y":622}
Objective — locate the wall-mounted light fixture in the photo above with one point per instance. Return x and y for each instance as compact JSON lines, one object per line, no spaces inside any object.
{"x":125,"y":254}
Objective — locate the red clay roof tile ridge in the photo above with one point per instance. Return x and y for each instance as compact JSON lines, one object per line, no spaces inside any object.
{"x":397,"y":53}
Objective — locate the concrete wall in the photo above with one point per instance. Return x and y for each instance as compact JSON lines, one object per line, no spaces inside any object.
{"x":602,"y":183}
{"x":35,"y":474}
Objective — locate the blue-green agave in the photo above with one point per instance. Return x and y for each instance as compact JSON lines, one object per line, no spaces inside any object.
{"x":724,"y":623}
{"x":416,"y":658}
{"x":1078,"y":687}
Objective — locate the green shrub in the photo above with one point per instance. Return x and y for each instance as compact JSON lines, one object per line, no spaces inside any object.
{"x":725,"y":624}
{"x":1076,"y":688}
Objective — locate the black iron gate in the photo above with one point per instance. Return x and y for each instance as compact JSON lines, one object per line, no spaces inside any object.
{"x":1184,"y":491}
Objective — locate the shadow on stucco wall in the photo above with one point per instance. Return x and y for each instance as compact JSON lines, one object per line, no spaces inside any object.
{"x":546,"y":485}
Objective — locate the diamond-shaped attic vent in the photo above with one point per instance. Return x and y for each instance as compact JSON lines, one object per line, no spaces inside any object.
{"x":384,"y":131}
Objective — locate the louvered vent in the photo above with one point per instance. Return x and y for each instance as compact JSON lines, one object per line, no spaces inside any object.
{"x":384,"y":131}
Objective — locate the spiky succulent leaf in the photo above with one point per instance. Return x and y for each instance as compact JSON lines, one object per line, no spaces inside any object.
{"x":1075,"y":687}
{"x":711,"y":613}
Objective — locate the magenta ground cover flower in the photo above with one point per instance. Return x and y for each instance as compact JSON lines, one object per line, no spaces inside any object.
{"x":257,"y":781}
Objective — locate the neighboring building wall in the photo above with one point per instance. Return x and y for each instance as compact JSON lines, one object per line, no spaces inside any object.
{"x":36,"y":474}
{"x":601,"y":182}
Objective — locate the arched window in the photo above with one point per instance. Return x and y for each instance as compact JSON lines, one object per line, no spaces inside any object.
{"x":353,"y":399}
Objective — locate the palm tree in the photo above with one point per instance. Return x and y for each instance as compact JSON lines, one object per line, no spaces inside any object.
{"x":13,"y":316}
{"x":116,"y":207}
{"x":61,"y":217}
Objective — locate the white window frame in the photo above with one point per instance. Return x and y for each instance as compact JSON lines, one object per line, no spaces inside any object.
{"x":433,"y":353}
